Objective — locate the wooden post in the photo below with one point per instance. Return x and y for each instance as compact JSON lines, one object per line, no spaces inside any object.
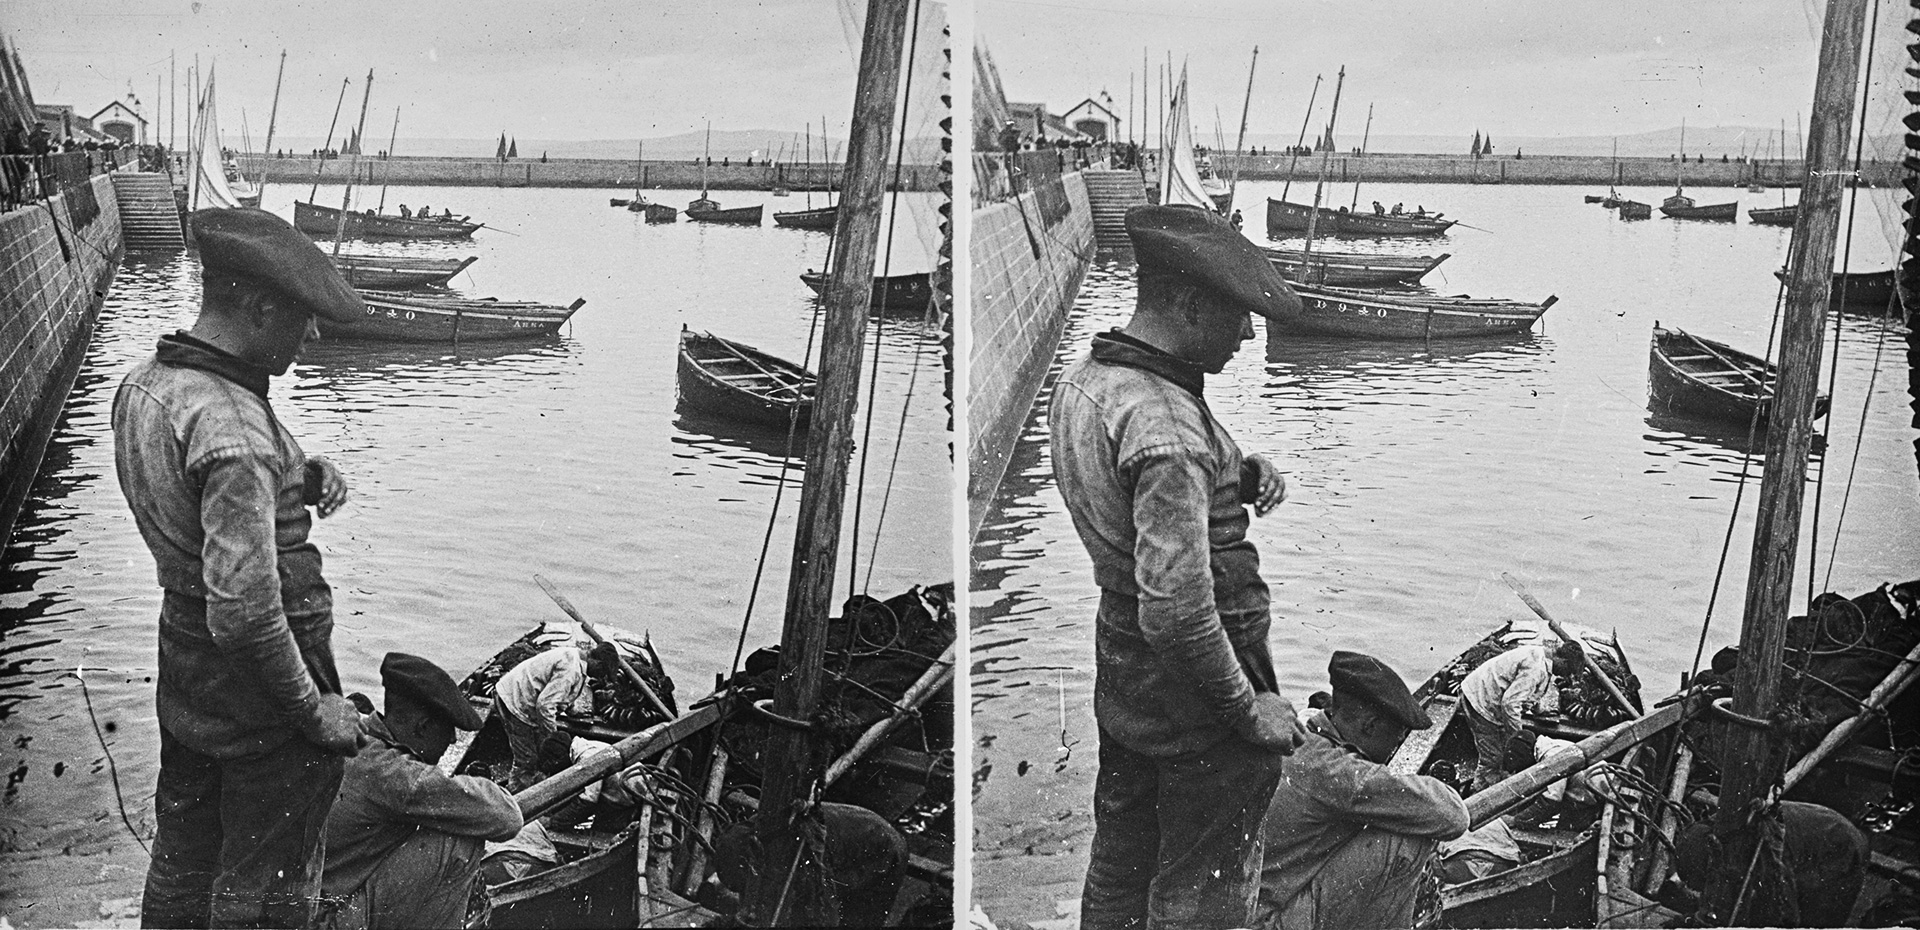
{"x":1751,"y":761}
{"x":794,"y":759}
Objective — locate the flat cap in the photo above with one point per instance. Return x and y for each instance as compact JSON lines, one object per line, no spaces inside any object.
{"x":1189,"y":242}
{"x":257,"y":246}
{"x":430,"y":685}
{"x":1370,"y":680}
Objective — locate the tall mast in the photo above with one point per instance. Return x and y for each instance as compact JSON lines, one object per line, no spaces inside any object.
{"x":353,"y":168}
{"x":1364,"y":136}
{"x":1240,"y":142}
{"x":707,"y":157}
{"x":1326,"y":161}
{"x":1294,"y":156}
{"x":1680,"y":168}
{"x":272,"y":117}
{"x":794,"y":760}
{"x":1752,"y":761}
{"x":809,"y":172}
{"x":320,"y":163}
{"x":639,"y":165}
{"x":387,"y":175}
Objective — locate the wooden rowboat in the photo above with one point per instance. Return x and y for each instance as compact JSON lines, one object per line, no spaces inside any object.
{"x":1286,"y":218}
{"x":651,"y":867}
{"x":734,"y":381}
{"x":398,"y":272}
{"x":707,"y":211}
{"x":818,"y":218}
{"x":1595,"y":198}
{"x":1698,"y":376}
{"x":1774,"y":216}
{"x":655,"y":212}
{"x":1681,"y":207}
{"x":1635,"y":210}
{"x":316,"y":220}
{"x":399,"y":316}
{"x":618,"y":201}
{"x":1358,"y":314}
{"x":1352,"y":269}
{"x":903,"y":292}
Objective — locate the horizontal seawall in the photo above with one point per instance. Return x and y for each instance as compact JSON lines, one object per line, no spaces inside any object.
{"x":563,"y":172}
{"x":1546,"y":169}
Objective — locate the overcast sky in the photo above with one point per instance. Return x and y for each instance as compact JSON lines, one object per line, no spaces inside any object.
{"x":1507,"y":67}
{"x":580,"y":69}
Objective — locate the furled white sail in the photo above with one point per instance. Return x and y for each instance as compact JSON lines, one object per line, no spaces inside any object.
{"x":207,"y":178}
{"x":1179,"y":175}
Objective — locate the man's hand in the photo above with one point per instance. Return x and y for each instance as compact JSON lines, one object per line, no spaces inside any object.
{"x":1273,"y":726}
{"x":326,"y":488}
{"x":1262,"y":485}
{"x":337,"y":727}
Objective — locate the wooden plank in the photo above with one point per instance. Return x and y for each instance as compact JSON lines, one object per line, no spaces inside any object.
{"x":1413,"y":754}
{"x":1519,"y":877}
{"x":548,"y":794}
{"x":1517,"y":788}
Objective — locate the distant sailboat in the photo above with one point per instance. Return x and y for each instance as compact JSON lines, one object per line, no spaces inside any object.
{"x":1180,"y":180}
{"x":209,"y":184}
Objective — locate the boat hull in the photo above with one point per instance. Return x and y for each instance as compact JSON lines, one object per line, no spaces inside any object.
{"x":1352,"y":269}
{"x":316,"y":220}
{"x":1285,"y":218}
{"x":900,"y":292}
{"x":1700,"y":377}
{"x":1773,"y":216}
{"x":1635,"y":210}
{"x":1373,"y":315}
{"x":400,"y":318}
{"x":731,"y":381}
{"x":380,"y":272}
{"x":741,"y":216}
{"x":1716,"y":212}
{"x":822,"y":218}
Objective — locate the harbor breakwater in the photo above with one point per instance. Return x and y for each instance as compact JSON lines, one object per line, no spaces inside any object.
{"x":1546,"y":169}
{"x":58,"y":257}
{"x":564,"y":172}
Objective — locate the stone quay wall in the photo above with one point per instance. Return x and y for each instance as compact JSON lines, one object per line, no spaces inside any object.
{"x":563,"y":172}
{"x":1545,"y":169}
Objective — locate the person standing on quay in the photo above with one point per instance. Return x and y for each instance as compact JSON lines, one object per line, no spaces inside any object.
{"x":1192,"y":726}
{"x":252,"y":722}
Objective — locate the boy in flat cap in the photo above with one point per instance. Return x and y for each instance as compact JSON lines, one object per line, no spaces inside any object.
{"x":1347,"y":840}
{"x":1192,"y":727}
{"x":252,"y":724}
{"x":404,"y":841}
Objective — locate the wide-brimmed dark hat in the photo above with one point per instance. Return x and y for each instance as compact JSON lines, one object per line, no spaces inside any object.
{"x":1195,"y":244}
{"x":429,"y":685}
{"x":1369,"y":679}
{"x":257,"y":246}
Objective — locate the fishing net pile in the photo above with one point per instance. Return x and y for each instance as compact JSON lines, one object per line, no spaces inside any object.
{"x":618,"y":703}
{"x":1583,"y":699}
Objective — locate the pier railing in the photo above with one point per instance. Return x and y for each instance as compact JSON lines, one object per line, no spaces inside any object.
{"x":1001,"y":176}
{"x":26,"y":179}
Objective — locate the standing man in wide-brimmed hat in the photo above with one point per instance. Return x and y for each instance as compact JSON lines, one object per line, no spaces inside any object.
{"x":1192,"y":726}
{"x":252,"y":724}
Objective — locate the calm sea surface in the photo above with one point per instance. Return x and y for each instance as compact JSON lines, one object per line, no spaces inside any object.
{"x":473,"y":469}
{"x":1419,"y":473}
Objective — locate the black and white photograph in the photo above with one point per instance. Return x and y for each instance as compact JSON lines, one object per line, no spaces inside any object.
{"x":477,"y":465}
{"x":1442,"y":465}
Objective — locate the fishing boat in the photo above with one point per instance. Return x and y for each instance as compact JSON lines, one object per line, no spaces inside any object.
{"x":401,"y":316}
{"x":211,"y":181}
{"x":1363,"y":314}
{"x":904,"y":292}
{"x":1594,"y":198}
{"x":1858,"y":290}
{"x":812,"y":217}
{"x":1699,"y":376}
{"x":816,"y":218}
{"x":1635,"y":210}
{"x":735,"y":381}
{"x":316,"y":220}
{"x":618,"y":201}
{"x":1773,"y":216}
{"x":1285,"y":218}
{"x":792,"y":726}
{"x":707,"y":210}
{"x":398,"y":272}
{"x":655,"y":212}
{"x":1681,"y":207}
{"x":1352,"y":269}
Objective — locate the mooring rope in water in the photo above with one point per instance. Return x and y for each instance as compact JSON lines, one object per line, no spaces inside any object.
{"x":113,"y":770}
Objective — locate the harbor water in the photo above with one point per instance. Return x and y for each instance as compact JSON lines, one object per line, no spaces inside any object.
{"x":473,"y":468}
{"x":1419,"y":473}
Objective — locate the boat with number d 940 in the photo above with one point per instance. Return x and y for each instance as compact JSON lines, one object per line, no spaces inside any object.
{"x":398,"y":316}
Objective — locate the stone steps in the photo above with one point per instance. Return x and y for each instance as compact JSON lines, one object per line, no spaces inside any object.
{"x":1110,"y":194}
{"x":149,"y":216}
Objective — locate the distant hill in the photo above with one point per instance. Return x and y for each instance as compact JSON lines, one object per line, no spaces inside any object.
{"x":1711,"y":141}
{"x":734,"y":145}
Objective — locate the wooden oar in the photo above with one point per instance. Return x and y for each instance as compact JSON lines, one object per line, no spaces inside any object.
{"x":1730,"y":363}
{"x":1561,"y":632}
{"x":585,"y":624}
{"x":1889,"y":688}
{"x":548,"y":794}
{"x":782,"y":380}
{"x":1515,"y":789}
{"x":930,"y":680}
